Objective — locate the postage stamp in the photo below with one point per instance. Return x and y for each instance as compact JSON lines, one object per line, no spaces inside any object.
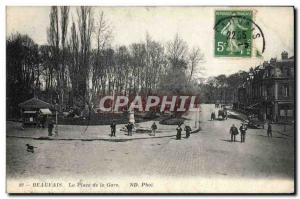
{"x":233,"y":33}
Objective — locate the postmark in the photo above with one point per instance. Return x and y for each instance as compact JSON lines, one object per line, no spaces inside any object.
{"x":237,"y":35}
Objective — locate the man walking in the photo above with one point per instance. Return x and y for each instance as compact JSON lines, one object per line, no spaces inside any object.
{"x":225,"y":114}
{"x":153,"y":127}
{"x":129,"y":128}
{"x":269,"y":131}
{"x":178,"y":135}
{"x":113,"y":129}
{"x":187,"y":131}
{"x":243,"y":129}
{"x":233,"y":132}
{"x":50,"y":128}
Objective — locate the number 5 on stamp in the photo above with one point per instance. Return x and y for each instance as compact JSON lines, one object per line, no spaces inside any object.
{"x":233,"y":33}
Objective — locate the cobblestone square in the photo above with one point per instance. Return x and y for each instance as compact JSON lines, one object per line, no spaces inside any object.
{"x":207,"y":153}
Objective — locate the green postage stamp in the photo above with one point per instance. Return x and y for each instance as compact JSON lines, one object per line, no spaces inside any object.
{"x":233,"y":33}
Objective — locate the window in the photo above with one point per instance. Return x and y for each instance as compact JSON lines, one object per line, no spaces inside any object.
{"x":268,"y":72}
{"x":269,"y":91}
{"x":285,"y":91}
{"x":287,"y":72}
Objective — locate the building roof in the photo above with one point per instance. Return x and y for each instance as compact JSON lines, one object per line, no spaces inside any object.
{"x":29,"y":112}
{"x":34,"y":103}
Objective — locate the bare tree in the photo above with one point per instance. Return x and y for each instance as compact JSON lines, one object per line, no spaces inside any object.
{"x":122,"y":73}
{"x":53,"y":40}
{"x":177,"y":52}
{"x":103,"y":32}
{"x":53,"y":30}
{"x":57,"y":33}
{"x":138,"y":63}
{"x":73,"y":61}
{"x":48,"y":69}
{"x":195,"y":57}
{"x":103,"y":36}
{"x":175,"y":79}
{"x":64,"y":20}
{"x":155,"y":63}
{"x":22,"y":71}
{"x":86,"y":27}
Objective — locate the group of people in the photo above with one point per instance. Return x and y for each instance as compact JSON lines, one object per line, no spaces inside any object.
{"x":222,"y":113}
{"x":234,"y":132}
{"x":129,"y":128}
{"x":187,"y":129}
{"x":243,"y":128}
{"x":113,"y":128}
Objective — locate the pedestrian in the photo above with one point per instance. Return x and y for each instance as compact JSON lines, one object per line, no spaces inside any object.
{"x":178,"y":135}
{"x":153,"y":127}
{"x":233,"y":132}
{"x":113,"y":129}
{"x":50,"y":127}
{"x":188,"y":130}
{"x":226,"y":115}
{"x":38,"y":120}
{"x":269,"y":131}
{"x":212,"y":116}
{"x":22,"y":126}
{"x":129,"y":128}
{"x":43,"y":121}
{"x":243,"y":129}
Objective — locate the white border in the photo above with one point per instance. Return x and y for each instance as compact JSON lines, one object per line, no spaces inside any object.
{"x":5,"y":3}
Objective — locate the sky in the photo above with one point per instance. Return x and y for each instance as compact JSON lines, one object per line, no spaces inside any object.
{"x":193,"y":24}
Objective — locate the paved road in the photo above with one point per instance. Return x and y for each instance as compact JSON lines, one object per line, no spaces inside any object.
{"x":208,"y":153}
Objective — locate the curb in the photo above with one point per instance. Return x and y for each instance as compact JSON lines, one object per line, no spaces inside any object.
{"x":94,"y":139}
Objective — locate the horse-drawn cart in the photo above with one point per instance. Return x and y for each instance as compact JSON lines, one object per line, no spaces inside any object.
{"x":255,"y":124}
{"x":222,"y":113}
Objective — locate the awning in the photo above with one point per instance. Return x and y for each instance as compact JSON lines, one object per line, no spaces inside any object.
{"x":29,"y":112}
{"x":45,"y":111}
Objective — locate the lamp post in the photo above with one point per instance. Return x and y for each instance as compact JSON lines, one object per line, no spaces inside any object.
{"x":285,"y":122}
{"x":199,"y":117}
{"x":56,"y":120}
{"x":196,"y":119}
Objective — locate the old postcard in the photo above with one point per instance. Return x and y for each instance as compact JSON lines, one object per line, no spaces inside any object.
{"x":150,"y":99}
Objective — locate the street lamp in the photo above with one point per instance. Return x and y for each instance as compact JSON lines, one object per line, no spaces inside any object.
{"x":56,"y":120}
{"x":285,"y":122}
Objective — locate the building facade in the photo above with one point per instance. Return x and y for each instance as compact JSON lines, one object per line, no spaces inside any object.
{"x":269,"y":91}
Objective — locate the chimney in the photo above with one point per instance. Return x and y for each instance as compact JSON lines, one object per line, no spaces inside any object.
{"x":265,"y":64}
{"x":284,"y":55}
